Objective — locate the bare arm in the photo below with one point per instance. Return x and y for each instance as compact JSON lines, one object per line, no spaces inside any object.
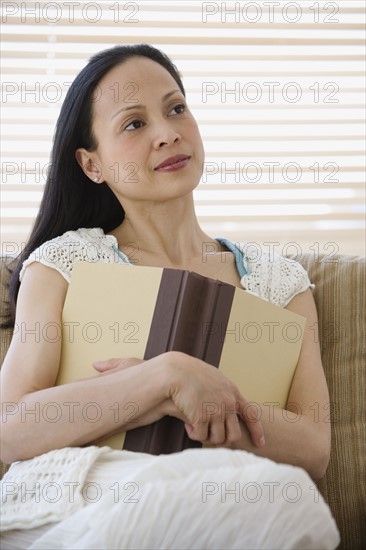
{"x":38,"y":416}
{"x":300,"y":433}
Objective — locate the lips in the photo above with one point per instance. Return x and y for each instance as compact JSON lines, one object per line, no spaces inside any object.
{"x":177,"y":161}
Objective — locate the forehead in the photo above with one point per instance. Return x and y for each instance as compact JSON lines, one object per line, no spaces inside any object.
{"x":132,"y":82}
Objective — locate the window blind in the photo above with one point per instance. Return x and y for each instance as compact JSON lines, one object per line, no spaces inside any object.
{"x":277,"y":89}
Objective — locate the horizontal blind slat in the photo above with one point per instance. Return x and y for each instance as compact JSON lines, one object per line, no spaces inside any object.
{"x":320,"y":140}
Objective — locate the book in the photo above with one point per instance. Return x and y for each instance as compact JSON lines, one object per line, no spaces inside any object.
{"x":115,"y":310}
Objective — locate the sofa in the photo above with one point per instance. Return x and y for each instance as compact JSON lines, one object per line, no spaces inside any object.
{"x":340,"y":296}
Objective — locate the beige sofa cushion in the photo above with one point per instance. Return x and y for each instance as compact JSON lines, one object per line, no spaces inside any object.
{"x":340,"y":295}
{"x":5,"y":334}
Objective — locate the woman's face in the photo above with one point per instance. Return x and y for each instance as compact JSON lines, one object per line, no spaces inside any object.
{"x":140,"y":121}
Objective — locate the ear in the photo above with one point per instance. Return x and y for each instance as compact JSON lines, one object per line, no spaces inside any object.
{"x":89,"y":165}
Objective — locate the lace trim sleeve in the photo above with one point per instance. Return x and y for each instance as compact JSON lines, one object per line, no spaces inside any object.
{"x":90,"y":245}
{"x":274,"y":278}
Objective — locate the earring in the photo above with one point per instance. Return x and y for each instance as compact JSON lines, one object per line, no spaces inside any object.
{"x":96,"y":179}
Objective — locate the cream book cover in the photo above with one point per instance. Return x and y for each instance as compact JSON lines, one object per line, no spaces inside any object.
{"x":110,"y":309}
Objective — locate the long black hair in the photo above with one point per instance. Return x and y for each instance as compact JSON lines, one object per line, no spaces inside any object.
{"x":70,"y":201}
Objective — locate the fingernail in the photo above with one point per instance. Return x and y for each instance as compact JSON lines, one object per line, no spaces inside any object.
{"x":262,"y":442}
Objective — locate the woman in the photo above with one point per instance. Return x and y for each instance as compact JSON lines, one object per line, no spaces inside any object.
{"x":127,"y":156}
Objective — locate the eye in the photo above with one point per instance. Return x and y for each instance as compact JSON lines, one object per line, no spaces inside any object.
{"x":133,"y":125}
{"x":179,"y":109}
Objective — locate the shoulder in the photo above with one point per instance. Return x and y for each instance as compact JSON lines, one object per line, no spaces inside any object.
{"x":85,"y":244}
{"x":271,"y":276}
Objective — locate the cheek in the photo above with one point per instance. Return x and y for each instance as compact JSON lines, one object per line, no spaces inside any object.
{"x":196,"y":139}
{"x":195,"y":133}
{"x":113,"y":156}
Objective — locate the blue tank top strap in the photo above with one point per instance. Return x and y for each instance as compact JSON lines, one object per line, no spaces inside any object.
{"x":123,"y":257}
{"x":239,"y":254}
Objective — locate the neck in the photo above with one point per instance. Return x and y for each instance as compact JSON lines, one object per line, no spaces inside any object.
{"x":167,"y":231}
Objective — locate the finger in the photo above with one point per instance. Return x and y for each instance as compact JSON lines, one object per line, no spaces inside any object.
{"x":109,"y":364}
{"x":232,"y":425}
{"x":197,"y":432}
{"x":250,"y":414}
{"x":217,"y":435}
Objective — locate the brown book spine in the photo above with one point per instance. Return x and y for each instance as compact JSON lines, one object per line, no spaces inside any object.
{"x":189,"y":310}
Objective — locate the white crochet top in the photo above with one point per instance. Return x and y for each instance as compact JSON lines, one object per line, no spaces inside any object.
{"x":45,"y":488}
{"x":270,"y":276}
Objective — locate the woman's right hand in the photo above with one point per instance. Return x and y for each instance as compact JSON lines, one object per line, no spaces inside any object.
{"x":208,"y":402}
{"x":197,"y":393}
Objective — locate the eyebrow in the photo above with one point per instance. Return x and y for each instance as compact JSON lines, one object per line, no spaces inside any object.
{"x":139,"y":106}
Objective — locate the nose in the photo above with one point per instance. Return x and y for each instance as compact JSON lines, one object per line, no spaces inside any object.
{"x":165,"y":134}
